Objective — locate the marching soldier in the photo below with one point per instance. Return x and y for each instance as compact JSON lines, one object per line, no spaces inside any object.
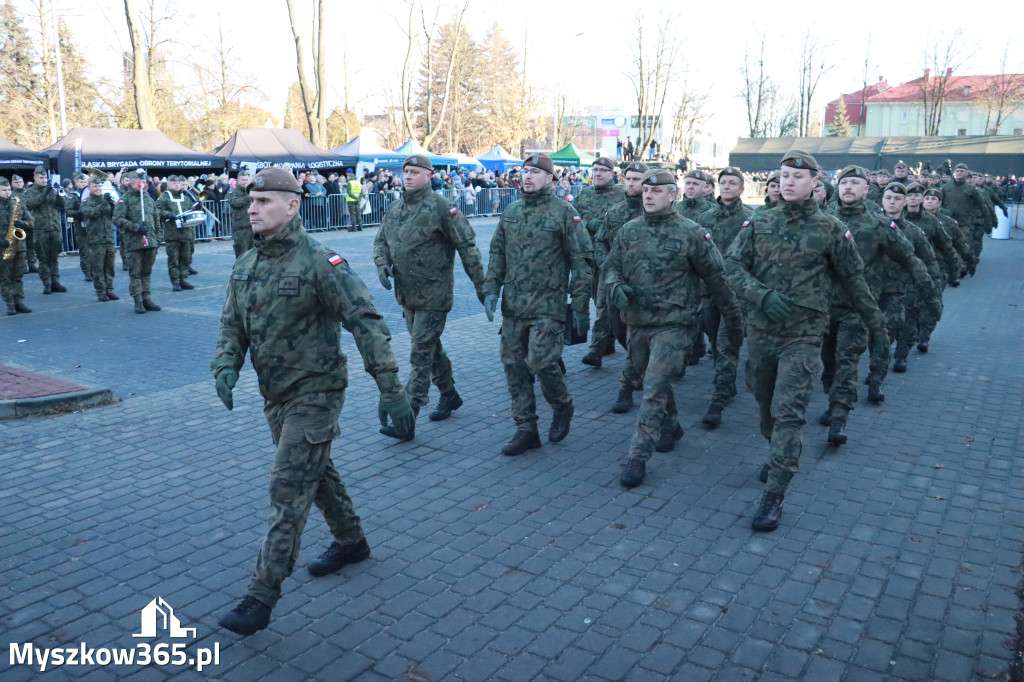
{"x":238,"y":202}
{"x":695,"y":201}
{"x":12,"y":270}
{"x":73,"y":211}
{"x":970,"y":210}
{"x":136,"y":218}
{"x":171,"y":205}
{"x":98,"y":213}
{"x":18,"y":192}
{"x":45,"y":203}
{"x":933,"y":204}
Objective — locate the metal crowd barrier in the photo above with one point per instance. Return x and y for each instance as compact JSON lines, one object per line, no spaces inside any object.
{"x":329,"y":213}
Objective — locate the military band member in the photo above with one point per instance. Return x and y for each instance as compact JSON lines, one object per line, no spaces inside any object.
{"x":46,"y":202}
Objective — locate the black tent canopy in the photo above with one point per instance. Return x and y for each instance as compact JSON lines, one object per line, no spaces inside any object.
{"x":114,"y":148}
{"x":14,"y":156}
{"x":263,"y":147}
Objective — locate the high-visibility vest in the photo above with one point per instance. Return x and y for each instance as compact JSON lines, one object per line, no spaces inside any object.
{"x":355,"y":190}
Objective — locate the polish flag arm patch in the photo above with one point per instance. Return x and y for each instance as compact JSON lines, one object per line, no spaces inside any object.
{"x":848,"y":235}
{"x":453,"y":210}
{"x":707,"y":235}
{"x":745,"y":223}
{"x":576,"y":219}
{"x":335,"y":259}
{"x":893,"y":224}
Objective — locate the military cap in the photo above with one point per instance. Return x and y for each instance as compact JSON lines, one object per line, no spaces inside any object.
{"x":733,"y":171}
{"x":698,"y":174}
{"x":636,"y":167}
{"x":915,"y":188}
{"x":542,"y":161}
{"x":852,"y":171}
{"x":774,"y":177}
{"x":240,"y":173}
{"x":4,"y":182}
{"x":934,"y":192}
{"x":419,"y":161}
{"x":897,"y":187}
{"x":659,"y":176}
{"x":274,"y":179}
{"x":16,"y":177}
{"x":900,"y":164}
{"x":96,"y":180}
{"x":882,"y":171}
{"x":131,"y":175}
{"x":961,"y":165}
{"x":39,"y":170}
{"x":798,"y":158}
{"x":79,"y":175}
{"x":604,"y":162}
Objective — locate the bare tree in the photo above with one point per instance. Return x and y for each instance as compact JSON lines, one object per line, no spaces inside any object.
{"x":757,"y":90}
{"x":1003,"y":95}
{"x":863,"y":118}
{"x":943,"y":58}
{"x":653,"y":73}
{"x":314,"y":99}
{"x":139,"y":71}
{"x":812,"y":67}
{"x":689,"y":114}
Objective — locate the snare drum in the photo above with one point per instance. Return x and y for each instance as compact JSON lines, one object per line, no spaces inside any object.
{"x":192,"y":219}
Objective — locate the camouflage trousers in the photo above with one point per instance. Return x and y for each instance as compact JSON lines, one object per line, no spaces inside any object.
{"x":630,"y":380}
{"x":892,"y":307}
{"x":978,"y":239}
{"x":658,"y":354}
{"x":427,"y":359}
{"x":725,"y":356}
{"x":355,"y":214}
{"x":101,"y":266}
{"x":48,"y":246}
{"x":844,"y":343}
{"x":927,"y":321}
{"x":601,"y":335}
{"x":303,"y":475}
{"x":242,"y":238}
{"x":12,"y":272}
{"x":30,"y":246}
{"x":140,"y":269}
{"x":178,"y":259}
{"x":780,"y":374}
{"x":909,"y":333}
{"x":82,"y":242}
{"x":531,"y":348}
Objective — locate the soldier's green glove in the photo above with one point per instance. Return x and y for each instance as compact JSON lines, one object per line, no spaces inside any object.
{"x":226,"y":381}
{"x":580,"y":323}
{"x":396,"y":406}
{"x":880,"y":346}
{"x":383,"y":272}
{"x":622,"y":295}
{"x":778,"y":307}
{"x":490,"y":305}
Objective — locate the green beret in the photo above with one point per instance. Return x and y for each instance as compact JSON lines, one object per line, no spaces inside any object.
{"x":542,"y":161}
{"x":733,"y":171}
{"x":961,"y":165}
{"x":798,"y":158}
{"x":605,"y":162}
{"x":882,"y":171}
{"x":659,"y":176}
{"x":852,"y":171}
{"x":915,"y":188}
{"x":78,"y":175}
{"x":39,"y":170}
{"x":419,"y":161}
{"x":274,"y":179}
{"x":4,"y":182}
{"x":16,"y":177}
{"x":933,"y":192}
{"x":636,"y":167}
{"x":900,"y":164}
{"x":897,"y":187}
{"x":698,"y":174}
{"x":774,"y":177}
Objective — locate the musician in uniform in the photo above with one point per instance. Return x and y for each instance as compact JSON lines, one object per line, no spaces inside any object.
{"x":171,"y":205}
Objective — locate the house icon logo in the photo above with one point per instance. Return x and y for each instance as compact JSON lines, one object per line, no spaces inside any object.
{"x":159,"y":611}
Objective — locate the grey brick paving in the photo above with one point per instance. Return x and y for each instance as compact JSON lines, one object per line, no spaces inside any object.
{"x":896,"y":558}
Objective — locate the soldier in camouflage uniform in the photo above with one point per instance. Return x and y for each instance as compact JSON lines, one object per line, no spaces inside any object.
{"x":608,"y":226}
{"x":13,"y":270}
{"x":878,"y":185}
{"x":772,"y":193}
{"x":932,"y":203}
{"x":948,"y":262}
{"x":73,"y":211}
{"x":724,"y":223}
{"x":593,"y":202}
{"x":18,"y":192}
{"x":882,"y":248}
{"x":655,"y":273}
{"x":987,"y":185}
{"x":416,"y":245}
{"x":969,"y":208}
{"x":136,"y":219}
{"x":45,"y":203}
{"x":783,"y":263}
{"x":539,"y":241}
{"x":170,"y":205}
{"x":98,"y":212}
{"x":238,"y":202}
{"x":285,"y":303}
{"x":901,"y":173}
{"x":695,"y":201}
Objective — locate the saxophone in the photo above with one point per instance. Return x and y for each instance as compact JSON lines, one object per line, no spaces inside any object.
{"x":13,"y":233}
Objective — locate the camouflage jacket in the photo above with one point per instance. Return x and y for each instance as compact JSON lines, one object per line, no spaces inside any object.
{"x":73,"y":207}
{"x":666,"y":259}
{"x":692,"y":208}
{"x":964,"y":202}
{"x":725,"y":220}
{"x":128,"y":215}
{"x":875,"y":193}
{"x":942,"y":245}
{"x":539,"y":240}
{"x":45,"y":204}
{"x":418,"y":239}
{"x":98,"y":214}
{"x":887,"y":254}
{"x":922,"y":247}
{"x":6,"y":206}
{"x":994,"y":195}
{"x":170,"y":206}
{"x":957,"y":237}
{"x":239,"y":202}
{"x":593,"y":202}
{"x":799,"y":251}
{"x":612,"y":221}
{"x":990,"y":206}
{"x":285,"y":305}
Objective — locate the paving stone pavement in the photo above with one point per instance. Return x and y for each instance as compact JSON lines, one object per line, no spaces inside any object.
{"x":896,"y":558}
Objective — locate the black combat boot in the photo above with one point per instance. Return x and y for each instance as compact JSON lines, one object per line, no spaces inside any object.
{"x":609,"y":348}
{"x":337,"y":556}
{"x":624,"y":403}
{"x":175,"y":286}
{"x":713,"y":419}
{"x":192,"y":270}
{"x":11,"y":310}
{"x":139,"y":307}
{"x":46,"y":289}
{"x":102,"y":298}
{"x":58,"y":288}
{"x":670,"y":434}
{"x":826,"y":417}
{"x":250,"y":616}
{"x":875,"y":394}
{"x":112,"y":296}
{"x":88,"y":278}
{"x":634,"y":473}
{"x":560,"y":424}
{"x":899,"y":364}
{"x":186,"y":285}
{"x":593,"y":359}
{"x":391,"y":432}
{"x":837,"y":431}
{"x":768,"y":515}
{"x":922,"y":347}
{"x":148,"y":303}
{"x":448,"y":403}
{"x":521,"y":442}
{"x":32,"y":267}
{"x":20,"y":307}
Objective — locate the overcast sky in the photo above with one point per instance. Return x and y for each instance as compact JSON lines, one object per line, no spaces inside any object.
{"x":583,"y":54}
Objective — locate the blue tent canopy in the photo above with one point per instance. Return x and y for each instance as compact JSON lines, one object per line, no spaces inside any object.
{"x":499,"y":160}
{"x":370,"y":155}
{"x":411,"y":147}
{"x":468,"y":162}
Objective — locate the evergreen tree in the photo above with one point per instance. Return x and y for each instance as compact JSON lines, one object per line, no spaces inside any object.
{"x":82,"y":100}
{"x":20,"y":86}
{"x":841,"y":121}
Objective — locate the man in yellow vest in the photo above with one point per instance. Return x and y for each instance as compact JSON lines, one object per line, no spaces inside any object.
{"x":353,"y":192}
